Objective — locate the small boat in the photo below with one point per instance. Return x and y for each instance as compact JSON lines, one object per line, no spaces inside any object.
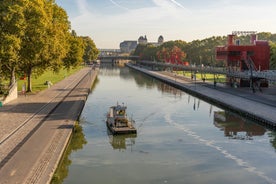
{"x":118,"y":122}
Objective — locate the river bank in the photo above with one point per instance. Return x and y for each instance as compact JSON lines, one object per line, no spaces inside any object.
{"x":262,"y":109}
{"x":35,"y":129}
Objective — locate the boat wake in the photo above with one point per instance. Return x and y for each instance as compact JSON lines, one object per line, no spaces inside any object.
{"x":212,"y":144}
{"x":142,"y":121}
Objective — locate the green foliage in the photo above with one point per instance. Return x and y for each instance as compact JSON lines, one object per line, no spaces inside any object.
{"x":149,"y":52}
{"x":201,"y":51}
{"x":168,"y":51}
{"x":273,"y":56}
{"x":59,"y":37}
{"x":146,"y":52}
{"x":90,"y":50}
{"x":45,"y":40}
{"x":75,"y":53}
{"x":35,"y":36}
{"x":170,"y":44}
{"x":76,"y":143}
{"x":12,"y":27}
{"x":38,"y":82}
{"x":207,"y":76}
{"x":139,"y":50}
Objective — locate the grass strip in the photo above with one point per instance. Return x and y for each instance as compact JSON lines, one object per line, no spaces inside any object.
{"x":39,"y":83}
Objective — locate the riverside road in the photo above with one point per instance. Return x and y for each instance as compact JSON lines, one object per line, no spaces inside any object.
{"x":35,"y":129}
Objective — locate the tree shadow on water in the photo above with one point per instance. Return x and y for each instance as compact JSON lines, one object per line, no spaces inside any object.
{"x":76,"y":143}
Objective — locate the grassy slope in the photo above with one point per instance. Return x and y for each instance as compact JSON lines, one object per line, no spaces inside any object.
{"x":208,"y":77}
{"x":38,"y":83}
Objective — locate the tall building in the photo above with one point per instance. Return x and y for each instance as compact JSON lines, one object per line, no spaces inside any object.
{"x":128,"y":46}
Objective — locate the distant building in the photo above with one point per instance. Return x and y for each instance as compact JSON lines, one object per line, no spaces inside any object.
{"x":144,"y":40}
{"x":128,"y":46}
{"x":160,"y":40}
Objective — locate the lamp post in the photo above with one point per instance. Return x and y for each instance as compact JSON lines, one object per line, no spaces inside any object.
{"x":195,"y":78}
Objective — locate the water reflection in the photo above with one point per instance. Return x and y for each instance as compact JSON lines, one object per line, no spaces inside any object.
{"x":143,"y":80}
{"x":272,"y":136}
{"x":77,"y":141}
{"x":96,"y":82}
{"x":108,"y":69}
{"x":164,"y":88}
{"x":196,"y":103}
{"x":177,"y":141}
{"x":121,"y":142}
{"x":236,"y":127}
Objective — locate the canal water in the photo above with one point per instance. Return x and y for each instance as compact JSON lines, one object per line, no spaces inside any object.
{"x":180,"y":139}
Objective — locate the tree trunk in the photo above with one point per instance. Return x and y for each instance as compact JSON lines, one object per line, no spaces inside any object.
{"x":29,"y":82}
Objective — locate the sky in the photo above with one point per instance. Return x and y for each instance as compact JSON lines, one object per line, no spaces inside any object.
{"x":110,"y":22}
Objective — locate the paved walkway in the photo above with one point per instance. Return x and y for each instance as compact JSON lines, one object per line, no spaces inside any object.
{"x":34,"y":130}
{"x":260,"y":106}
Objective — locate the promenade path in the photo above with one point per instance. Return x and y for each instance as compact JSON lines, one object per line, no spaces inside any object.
{"x":35,"y":129}
{"x":259,"y":106}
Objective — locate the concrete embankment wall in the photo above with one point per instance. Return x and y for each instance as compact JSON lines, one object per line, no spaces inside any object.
{"x":82,"y":89}
{"x":262,"y":113}
{"x":11,"y":96}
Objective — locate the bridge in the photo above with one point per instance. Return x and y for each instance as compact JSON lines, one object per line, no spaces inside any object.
{"x":109,"y":52}
{"x":113,"y":58}
{"x":113,"y":55}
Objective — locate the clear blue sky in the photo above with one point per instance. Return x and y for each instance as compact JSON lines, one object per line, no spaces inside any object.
{"x":109,"y":22}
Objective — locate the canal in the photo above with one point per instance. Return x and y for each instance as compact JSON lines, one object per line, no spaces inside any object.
{"x":181,"y":139}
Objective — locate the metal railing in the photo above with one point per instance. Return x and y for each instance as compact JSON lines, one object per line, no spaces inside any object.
{"x":269,"y":75}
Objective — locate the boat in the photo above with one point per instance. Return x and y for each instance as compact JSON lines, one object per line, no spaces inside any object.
{"x":118,"y":122}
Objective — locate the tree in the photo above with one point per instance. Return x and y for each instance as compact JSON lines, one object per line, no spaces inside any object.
{"x":177,"y":55}
{"x":44,"y":43}
{"x":149,"y":52}
{"x":163,"y":54}
{"x":35,"y":46}
{"x":173,"y":54}
{"x":203,"y":51}
{"x":272,"y":56}
{"x":139,"y":50}
{"x":35,"y":36}
{"x":74,"y":56}
{"x":59,"y":36}
{"x":12,"y":27}
{"x":90,"y":50}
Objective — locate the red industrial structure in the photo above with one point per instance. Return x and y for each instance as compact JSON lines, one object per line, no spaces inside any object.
{"x":173,"y":56}
{"x":241,"y":58}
